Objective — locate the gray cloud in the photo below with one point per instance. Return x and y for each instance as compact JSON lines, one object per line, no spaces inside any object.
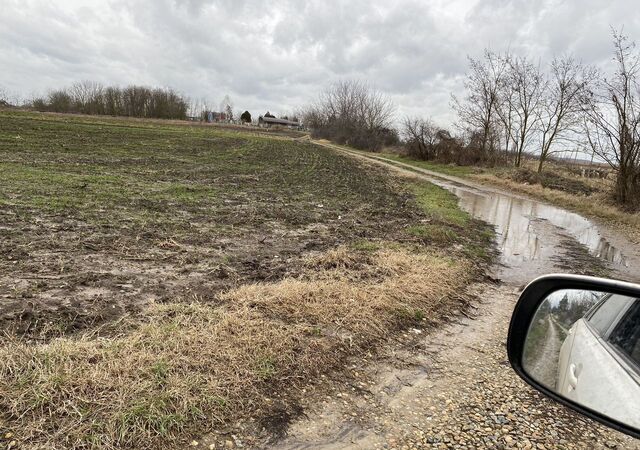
{"x":278,"y":55}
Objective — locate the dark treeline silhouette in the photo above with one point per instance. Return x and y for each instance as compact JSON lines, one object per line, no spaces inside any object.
{"x":133,"y":101}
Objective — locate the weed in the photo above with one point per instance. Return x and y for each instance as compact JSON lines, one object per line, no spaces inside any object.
{"x":160,"y":370}
{"x":434,"y":233}
{"x":265,"y":368}
{"x":365,"y":246}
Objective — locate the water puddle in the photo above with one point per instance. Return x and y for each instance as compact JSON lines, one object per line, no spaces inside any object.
{"x":517,"y":221}
{"x":530,"y":234}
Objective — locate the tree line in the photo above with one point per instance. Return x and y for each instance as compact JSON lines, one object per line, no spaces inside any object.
{"x":134,"y":101}
{"x":514,"y":106}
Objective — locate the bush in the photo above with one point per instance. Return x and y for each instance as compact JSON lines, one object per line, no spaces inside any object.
{"x":245,"y":117}
{"x":551,"y":180}
{"x":352,"y":113}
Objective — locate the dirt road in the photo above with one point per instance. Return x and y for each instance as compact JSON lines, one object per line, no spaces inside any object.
{"x":454,"y":388}
{"x":545,"y":368}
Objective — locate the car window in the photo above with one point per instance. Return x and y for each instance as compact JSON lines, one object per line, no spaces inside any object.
{"x":626,"y":335}
{"x":606,"y":313}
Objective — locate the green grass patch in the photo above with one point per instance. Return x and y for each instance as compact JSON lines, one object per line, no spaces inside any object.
{"x":265,"y":368}
{"x":434,"y":232}
{"x":448,"y":224}
{"x":365,"y":246}
{"x":440,"y":204}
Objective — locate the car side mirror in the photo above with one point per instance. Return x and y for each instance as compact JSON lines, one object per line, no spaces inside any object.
{"x":577,"y":340}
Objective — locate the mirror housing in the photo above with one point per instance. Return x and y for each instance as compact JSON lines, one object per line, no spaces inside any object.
{"x":530,"y":300}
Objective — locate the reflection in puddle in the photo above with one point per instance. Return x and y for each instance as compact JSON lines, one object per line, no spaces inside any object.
{"x":515,"y":220}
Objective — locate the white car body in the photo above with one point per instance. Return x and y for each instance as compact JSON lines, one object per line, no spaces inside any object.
{"x":596,"y":374}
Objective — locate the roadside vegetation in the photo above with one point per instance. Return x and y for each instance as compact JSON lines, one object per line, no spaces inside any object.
{"x":512,"y":109}
{"x":352,"y":113}
{"x":160,"y":281}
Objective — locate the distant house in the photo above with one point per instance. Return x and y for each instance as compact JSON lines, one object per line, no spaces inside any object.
{"x":266,"y":122}
{"x":213,"y":116}
{"x":220,"y":117}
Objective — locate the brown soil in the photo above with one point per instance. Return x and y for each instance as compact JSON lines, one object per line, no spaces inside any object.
{"x":115,"y":215}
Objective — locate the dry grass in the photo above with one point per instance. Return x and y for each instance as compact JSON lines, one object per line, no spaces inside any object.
{"x":189,"y":367}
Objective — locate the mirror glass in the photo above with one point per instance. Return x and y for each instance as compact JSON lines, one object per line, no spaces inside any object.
{"x":585,"y":346}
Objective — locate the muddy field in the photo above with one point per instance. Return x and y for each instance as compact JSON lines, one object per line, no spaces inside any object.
{"x":136,"y":257}
{"x":99,"y":219}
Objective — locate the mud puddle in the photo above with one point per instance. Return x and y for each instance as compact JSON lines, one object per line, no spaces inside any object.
{"x":519,"y":235}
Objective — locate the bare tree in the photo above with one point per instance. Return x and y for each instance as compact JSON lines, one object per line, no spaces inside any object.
{"x":87,"y":97}
{"x":478,"y":110}
{"x":561,"y":104}
{"x":420,"y":136}
{"x":61,"y":101}
{"x":612,"y":121}
{"x":523,"y":89}
{"x":226,"y":107}
{"x":113,"y":101}
{"x":375,"y":109}
{"x":4,"y":98}
{"x":506,"y":117}
{"x":354,"y":113}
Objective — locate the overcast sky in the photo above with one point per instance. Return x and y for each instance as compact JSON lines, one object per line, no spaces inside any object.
{"x":276,"y":54}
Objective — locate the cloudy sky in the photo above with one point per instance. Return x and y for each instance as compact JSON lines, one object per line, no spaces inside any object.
{"x":277,"y":54}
